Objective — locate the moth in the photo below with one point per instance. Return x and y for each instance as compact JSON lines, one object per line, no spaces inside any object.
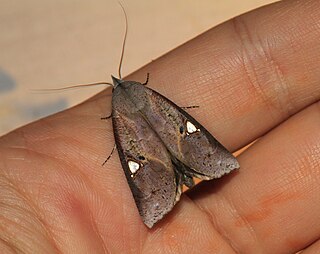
{"x":161,"y":147}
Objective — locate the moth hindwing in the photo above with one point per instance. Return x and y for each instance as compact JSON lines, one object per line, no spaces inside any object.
{"x":161,"y":147}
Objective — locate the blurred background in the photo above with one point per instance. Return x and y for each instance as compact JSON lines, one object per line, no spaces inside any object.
{"x":56,"y":43}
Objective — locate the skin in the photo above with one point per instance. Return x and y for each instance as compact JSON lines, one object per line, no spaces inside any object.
{"x":254,"y":77}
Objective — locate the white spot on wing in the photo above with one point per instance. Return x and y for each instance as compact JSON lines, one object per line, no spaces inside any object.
{"x":191,"y":128}
{"x":133,"y":166}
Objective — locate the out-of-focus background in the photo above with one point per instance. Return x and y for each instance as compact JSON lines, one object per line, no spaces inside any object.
{"x":56,"y":43}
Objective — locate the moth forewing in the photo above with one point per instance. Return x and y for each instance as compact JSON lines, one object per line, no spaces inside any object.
{"x":145,"y":160}
{"x":185,"y":138}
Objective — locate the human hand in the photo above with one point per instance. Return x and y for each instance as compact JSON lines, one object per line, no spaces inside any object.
{"x":256,"y":76}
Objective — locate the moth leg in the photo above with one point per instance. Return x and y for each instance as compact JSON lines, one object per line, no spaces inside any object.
{"x":106,"y":118}
{"x":188,"y":107}
{"x":147,"y":80}
{"x":114,"y":147}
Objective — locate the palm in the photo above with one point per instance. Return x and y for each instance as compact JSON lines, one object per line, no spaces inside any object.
{"x":56,"y":196}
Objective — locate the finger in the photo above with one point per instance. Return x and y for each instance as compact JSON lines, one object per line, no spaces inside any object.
{"x":272,"y":204}
{"x":313,"y":248}
{"x":248,"y":74}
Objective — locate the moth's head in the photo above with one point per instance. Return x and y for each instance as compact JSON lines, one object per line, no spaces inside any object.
{"x":116,"y":82}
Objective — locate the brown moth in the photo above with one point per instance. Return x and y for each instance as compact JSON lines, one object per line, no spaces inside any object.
{"x":161,"y":147}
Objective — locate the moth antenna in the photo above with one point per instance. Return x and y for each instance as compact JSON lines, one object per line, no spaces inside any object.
{"x":70,"y":87}
{"x":124,"y":40}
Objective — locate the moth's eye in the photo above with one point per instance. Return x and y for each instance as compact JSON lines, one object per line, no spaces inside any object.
{"x":181,"y":129}
{"x":141,"y":158}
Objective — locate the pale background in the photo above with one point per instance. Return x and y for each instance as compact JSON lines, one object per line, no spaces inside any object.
{"x":55,"y":43}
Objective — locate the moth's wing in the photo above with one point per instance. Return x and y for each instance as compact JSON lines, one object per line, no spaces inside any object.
{"x":186,"y":139}
{"x":145,"y":160}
